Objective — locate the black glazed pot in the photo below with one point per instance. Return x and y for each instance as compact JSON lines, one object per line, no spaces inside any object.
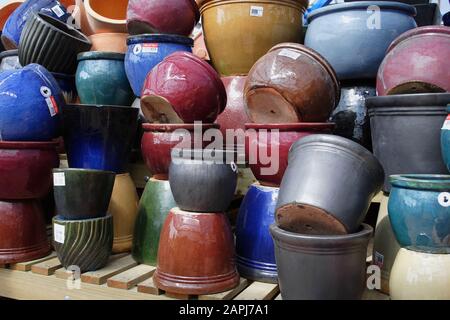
{"x":427,"y":14}
{"x":201,"y":184}
{"x":52,"y":44}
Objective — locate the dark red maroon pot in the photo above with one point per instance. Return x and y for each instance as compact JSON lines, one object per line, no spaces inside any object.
{"x":416,"y":62}
{"x":183,"y":89}
{"x":265,"y":140}
{"x":26,"y":169}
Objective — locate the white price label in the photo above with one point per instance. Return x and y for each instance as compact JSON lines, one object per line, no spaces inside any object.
{"x":256,"y":11}
{"x":59,"y":232}
{"x":59,"y":179}
{"x":444,"y":199}
{"x":150,"y":48}
{"x":58,"y":11}
{"x":51,"y":104}
{"x":289,"y":53}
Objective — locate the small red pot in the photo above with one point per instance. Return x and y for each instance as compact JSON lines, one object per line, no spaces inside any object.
{"x":416,"y":62}
{"x":183,"y":89}
{"x":261,"y":140}
{"x":26,"y":169}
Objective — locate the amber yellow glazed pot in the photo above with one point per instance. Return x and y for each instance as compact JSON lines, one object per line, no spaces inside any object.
{"x":238,"y":33}
{"x":106,"y":15}
{"x":109,"y":42}
{"x":420,"y":276}
{"x":124,"y":209}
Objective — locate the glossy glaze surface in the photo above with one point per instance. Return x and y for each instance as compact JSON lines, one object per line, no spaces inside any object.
{"x":109,"y":42}
{"x":104,"y":16}
{"x":445,"y":140}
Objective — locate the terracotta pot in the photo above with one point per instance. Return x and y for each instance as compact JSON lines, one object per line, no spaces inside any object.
{"x":200,"y":49}
{"x":109,"y":42}
{"x":416,"y":62}
{"x":105,"y":16}
{"x":26,"y":169}
{"x":308,"y":91}
{"x":83,"y":243}
{"x":183,"y":89}
{"x":9,"y":60}
{"x":154,"y":206}
{"x":192,"y":261}
{"x":445,"y":140}
{"x":168,"y":16}
{"x":275,"y":140}
{"x":124,"y":209}
{"x":81,"y":18}
{"x":6,"y":9}
{"x":228,"y":25}
{"x":23,"y":234}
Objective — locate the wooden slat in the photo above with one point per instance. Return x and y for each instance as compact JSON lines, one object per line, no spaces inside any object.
{"x":227,"y":295}
{"x":378,"y":197}
{"x":279,"y":297}
{"x":113,"y":268}
{"x":259,"y":291}
{"x":26,"y":266}
{"x":148,"y":286}
{"x":131,"y":277}
{"x":46,"y":268}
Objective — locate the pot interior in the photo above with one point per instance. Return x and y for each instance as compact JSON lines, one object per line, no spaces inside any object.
{"x":116,"y":9}
{"x":158,"y":109}
{"x":64,"y":28}
{"x":415,"y":87}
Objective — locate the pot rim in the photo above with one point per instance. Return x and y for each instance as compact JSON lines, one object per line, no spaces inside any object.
{"x":420,"y":31}
{"x":170,"y":127}
{"x":207,"y":4}
{"x":421,"y":181}
{"x":203,"y":154}
{"x":94,"y":14}
{"x":28,"y":145}
{"x":93,"y":171}
{"x":99,"y":106}
{"x":302,"y":126}
{"x":159,"y":38}
{"x":100,"y":55}
{"x":9,"y":53}
{"x":409,"y":100}
{"x":60,"y":219}
{"x":362,"y":5}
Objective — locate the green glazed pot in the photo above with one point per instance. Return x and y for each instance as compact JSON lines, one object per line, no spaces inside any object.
{"x":155,"y":204}
{"x":86,"y":244}
{"x":101,"y":79}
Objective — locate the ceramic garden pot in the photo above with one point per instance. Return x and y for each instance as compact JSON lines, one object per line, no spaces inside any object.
{"x":419,"y":212}
{"x":105,"y":16}
{"x":428,"y":14}
{"x":183,"y":89}
{"x":23,"y":234}
{"x":420,"y":276}
{"x":101,"y":79}
{"x":154,"y":206}
{"x":30,"y":97}
{"x":445,"y":140}
{"x":308,"y":91}
{"x":216,"y":174}
{"x":15,"y":24}
{"x":124,"y":208}
{"x":416,"y":62}
{"x":361,"y":32}
{"x":84,"y":243}
{"x":26,"y":169}
{"x":109,"y":42}
{"x":192,"y":261}
{"x":318,"y":195}
{"x":329,"y":267}
{"x":6,"y":9}
{"x":407,"y":127}
{"x":274,"y":141}
{"x":200,"y":49}
{"x":99,"y":137}
{"x":82,"y":193}
{"x":254,"y":245}
{"x":9,"y":60}
{"x":228,"y":25}
{"x":169,"y":16}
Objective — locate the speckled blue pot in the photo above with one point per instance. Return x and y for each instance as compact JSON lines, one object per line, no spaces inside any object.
{"x":445,"y":140}
{"x":66,"y":83}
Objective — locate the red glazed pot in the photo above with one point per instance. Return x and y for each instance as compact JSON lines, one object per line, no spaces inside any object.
{"x":26,"y":169}
{"x":159,"y":140}
{"x":261,"y":142}
{"x":196,"y":254}
{"x":416,"y":62}
{"x":183,"y":89}
{"x":291,"y":83}
{"x":156,"y":16}
{"x":23,"y":234}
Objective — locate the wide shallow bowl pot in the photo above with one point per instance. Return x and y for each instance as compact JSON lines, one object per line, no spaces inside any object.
{"x":328,"y":186}
{"x":445,"y":140}
{"x":321,"y":267}
{"x":9,"y":60}
{"x":105,"y":16}
{"x":109,"y":42}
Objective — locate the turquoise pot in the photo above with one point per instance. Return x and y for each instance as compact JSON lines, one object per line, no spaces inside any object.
{"x":445,"y":140}
{"x":101,"y":79}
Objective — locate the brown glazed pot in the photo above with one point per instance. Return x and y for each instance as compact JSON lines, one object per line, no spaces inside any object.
{"x":291,"y":83}
{"x":196,"y":254}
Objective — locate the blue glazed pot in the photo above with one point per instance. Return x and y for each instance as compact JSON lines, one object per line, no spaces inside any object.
{"x":16,"y":22}
{"x":30,"y":101}
{"x":101,"y":79}
{"x":99,"y":137}
{"x":254,"y":244}
{"x":419,"y":211}
{"x":146,"y":51}
{"x":66,"y":83}
{"x":445,"y":140}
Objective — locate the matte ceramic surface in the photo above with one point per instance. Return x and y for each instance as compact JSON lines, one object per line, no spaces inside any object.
{"x":146,"y":51}
{"x":291,"y":83}
{"x":104,"y":16}
{"x":192,"y":261}
{"x":9,"y":60}
{"x":154,"y":206}
{"x":275,"y":140}
{"x":321,"y":267}
{"x":99,"y":137}
{"x":328,"y":186}
{"x":83,"y":243}
{"x":445,"y":140}
{"x":416,"y":62}
{"x":406,"y":133}
{"x":229,"y":25}
{"x":254,"y":245}
{"x":168,"y":16}
{"x":66,"y":83}
{"x":30,"y":102}
{"x":109,"y":42}
{"x":101,"y":79}
{"x":419,"y":212}
{"x":26,"y":169}
{"x":183,"y":89}
{"x":81,"y":193}
{"x":356,"y":48}
{"x":23,"y":233}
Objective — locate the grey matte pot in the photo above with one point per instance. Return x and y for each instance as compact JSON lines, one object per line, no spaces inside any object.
{"x":321,"y":267}
{"x":406,"y":132}
{"x":328,"y":186}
